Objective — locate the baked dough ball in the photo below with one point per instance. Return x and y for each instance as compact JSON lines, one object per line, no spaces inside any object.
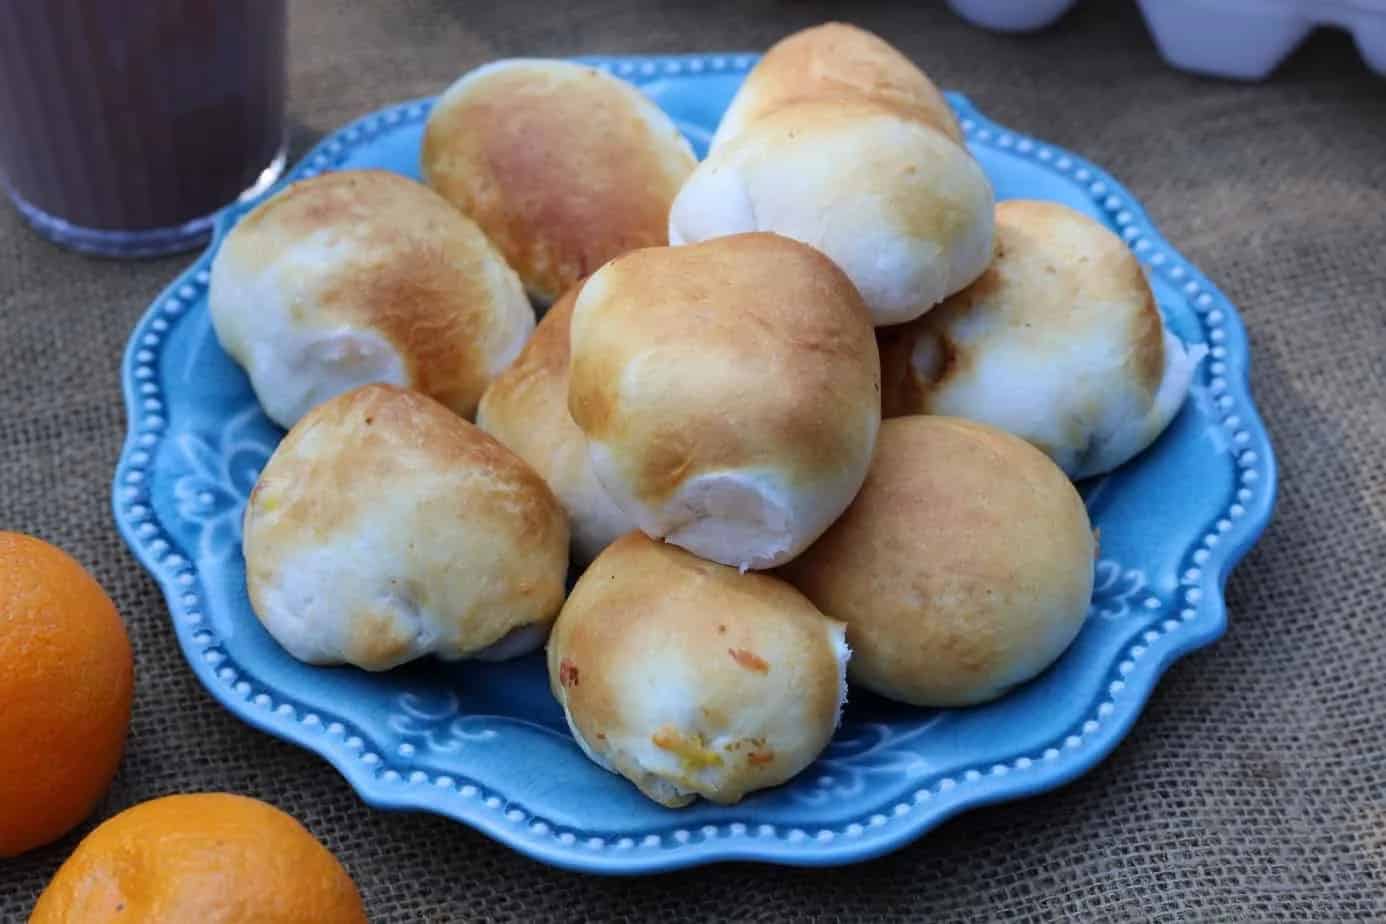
{"x":690,"y":678}
{"x":526,"y":408}
{"x":364,"y":276}
{"x":903,"y":210}
{"x":729,"y":392}
{"x":385,"y":527}
{"x":964,"y":566}
{"x":832,"y":61}
{"x":1059,"y":342}
{"x":563,"y":166}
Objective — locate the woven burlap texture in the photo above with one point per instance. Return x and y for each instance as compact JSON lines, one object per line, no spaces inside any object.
{"x":1253,"y":788}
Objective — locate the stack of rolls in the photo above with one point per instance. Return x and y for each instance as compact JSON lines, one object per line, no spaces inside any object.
{"x":372,"y":313}
{"x":804,"y":413}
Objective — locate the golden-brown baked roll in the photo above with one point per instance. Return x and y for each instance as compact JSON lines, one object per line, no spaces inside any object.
{"x":964,"y":566}
{"x":905,"y":212}
{"x":1059,"y":342}
{"x":364,"y":276}
{"x":836,"y":61}
{"x":526,"y":408}
{"x":563,"y":166}
{"x":385,"y":527}
{"x":690,"y":678}
{"x":729,"y":392}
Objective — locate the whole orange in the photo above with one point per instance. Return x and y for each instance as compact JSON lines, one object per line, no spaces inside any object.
{"x":210,"y":858}
{"x":66,"y":678}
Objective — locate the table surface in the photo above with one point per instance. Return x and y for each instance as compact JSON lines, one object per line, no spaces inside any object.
{"x":1254,"y":786}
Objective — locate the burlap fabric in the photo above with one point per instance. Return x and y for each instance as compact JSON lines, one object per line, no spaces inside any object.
{"x":1254,"y":786}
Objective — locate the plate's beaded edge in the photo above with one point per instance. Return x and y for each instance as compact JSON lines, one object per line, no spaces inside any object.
{"x":184,"y":591}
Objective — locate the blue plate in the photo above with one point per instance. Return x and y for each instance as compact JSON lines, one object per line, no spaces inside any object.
{"x":487,"y":745}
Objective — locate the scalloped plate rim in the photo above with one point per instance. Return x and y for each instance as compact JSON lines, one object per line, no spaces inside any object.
{"x":1209,"y":625}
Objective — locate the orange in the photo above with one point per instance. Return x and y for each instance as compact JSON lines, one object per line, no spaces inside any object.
{"x":210,"y":858}
{"x":66,"y":678}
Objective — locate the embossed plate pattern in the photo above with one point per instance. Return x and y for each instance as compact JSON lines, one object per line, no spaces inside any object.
{"x":486,"y":744}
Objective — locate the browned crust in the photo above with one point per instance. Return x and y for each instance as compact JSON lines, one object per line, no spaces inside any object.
{"x":381,"y":421}
{"x":330,"y":469}
{"x":537,"y":376}
{"x":838,"y":61}
{"x":558,"y":166}
{"x":1049,"y":261}
{"x":642,"y":599}
{"x":964,"y":544}
{"x":413,"y":269}
{"x":749,"y":347}
{"x":1110,"y":272}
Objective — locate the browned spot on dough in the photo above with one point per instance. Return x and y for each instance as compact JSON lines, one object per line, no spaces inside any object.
{"x":376,"y":637}
{"x":567,"y":673}
{"x":749,"y":660}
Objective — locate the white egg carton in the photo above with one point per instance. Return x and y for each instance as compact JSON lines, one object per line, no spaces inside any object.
{"x":1243,"y":39}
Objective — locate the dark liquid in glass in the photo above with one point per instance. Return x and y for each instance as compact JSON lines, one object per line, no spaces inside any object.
{"x":127,"y":116}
